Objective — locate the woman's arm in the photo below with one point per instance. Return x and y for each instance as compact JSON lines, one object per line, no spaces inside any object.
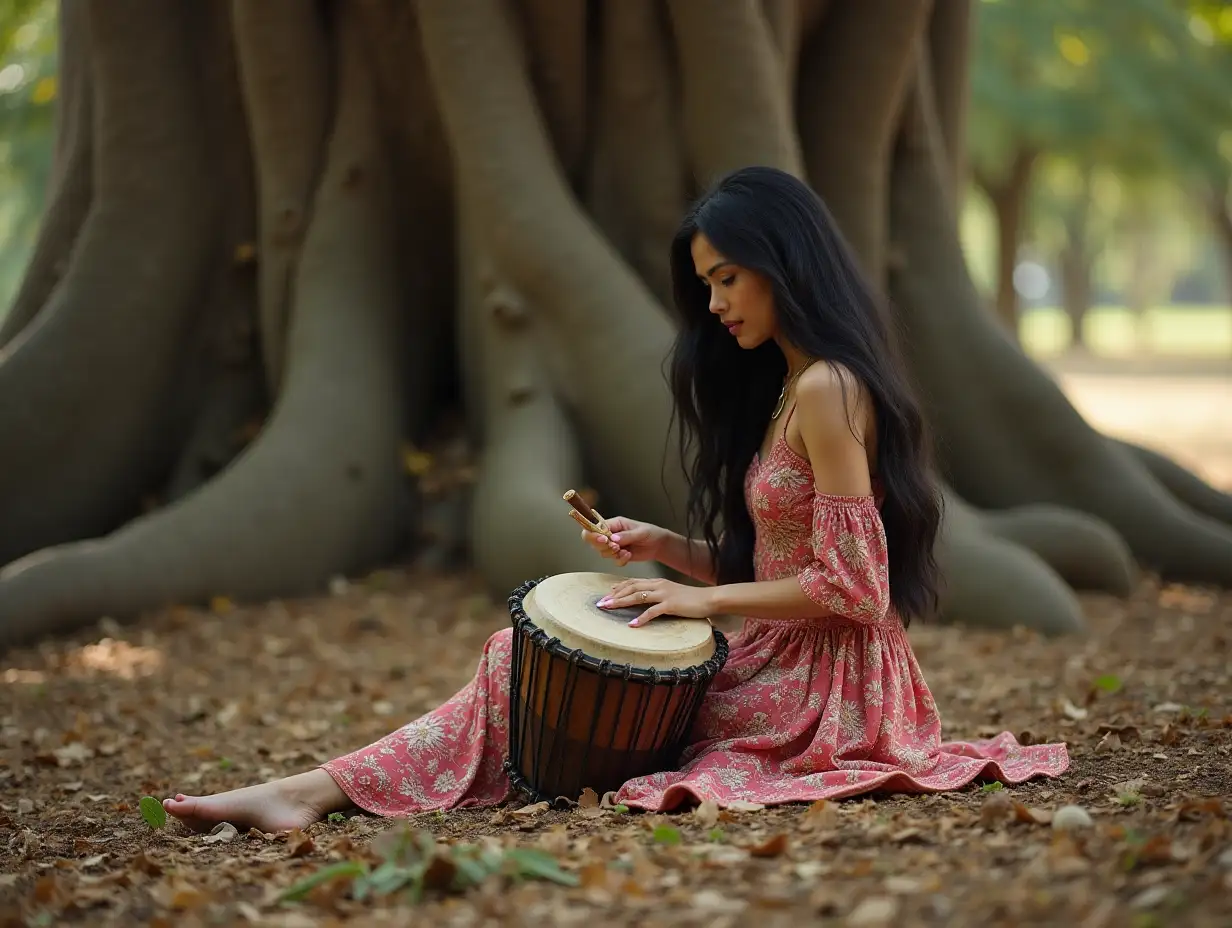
{"x":847,"y":575}
{"x":689,"y":556}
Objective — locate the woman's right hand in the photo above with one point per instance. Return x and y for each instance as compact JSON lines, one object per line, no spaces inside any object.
{"x":629,"y":541}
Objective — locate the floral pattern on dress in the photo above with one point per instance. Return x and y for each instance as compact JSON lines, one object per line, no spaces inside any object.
{"x":804,"y":709}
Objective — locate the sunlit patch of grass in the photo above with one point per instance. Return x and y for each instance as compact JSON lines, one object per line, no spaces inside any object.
{"x":1113,"y":331}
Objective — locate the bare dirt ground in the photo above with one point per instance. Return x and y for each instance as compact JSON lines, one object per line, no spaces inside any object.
{"x":200,"y":701}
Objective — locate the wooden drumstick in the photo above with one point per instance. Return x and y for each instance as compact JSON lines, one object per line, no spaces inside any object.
{"x":589,"y":518}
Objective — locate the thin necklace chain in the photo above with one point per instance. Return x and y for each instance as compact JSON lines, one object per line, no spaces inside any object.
{"x":787,"y":385}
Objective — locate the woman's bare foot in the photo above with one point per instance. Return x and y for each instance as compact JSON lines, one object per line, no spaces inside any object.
{"x":280,"y":805}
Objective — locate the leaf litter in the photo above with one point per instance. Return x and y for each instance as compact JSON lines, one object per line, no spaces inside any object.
{"x":99,"y":726}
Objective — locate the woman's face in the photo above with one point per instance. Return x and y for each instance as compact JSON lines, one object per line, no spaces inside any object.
{"x":742,"y":299}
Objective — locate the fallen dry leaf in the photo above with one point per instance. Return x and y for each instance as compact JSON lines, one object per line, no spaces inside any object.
{"x":1111,"y":741}
{"x":996,"y":808}
{"x":707,"y":813}
{"x":1070,"y":711}
{"x":533,"y":809}
{"x":178,"y":895}
{"x":555,"y":841}
{"x":874,"y":912}
{"x":299,"y":844}
{"x":589,"y":799}
{"x":1031,"y":816}
{"x":143,"y":863}
{"x":822,"y":815}
{"x":221,"y":834}
{"x":771,"y":847}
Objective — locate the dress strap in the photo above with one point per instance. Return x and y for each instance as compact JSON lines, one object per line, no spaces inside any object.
{"x":786,"y":422}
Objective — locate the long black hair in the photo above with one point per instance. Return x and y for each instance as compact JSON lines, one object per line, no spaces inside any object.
{"x":768,"y":221}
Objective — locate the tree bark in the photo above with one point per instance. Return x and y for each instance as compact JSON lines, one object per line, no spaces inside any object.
{"x":87,"y":382}
{"x":556,"y":55}
{"x":728,"y":66}
{"x":284,"y":72}
{"x":530,"y":447}
{"x":950,"y":36}
{"x":318,"y":492}
{"x":220,"y":393}
{"x":71,"y":182}
{"x":543,"y":244}
{"x":1184,"y":484}
{"x":637,"y":181}
{"x":847,"y":132}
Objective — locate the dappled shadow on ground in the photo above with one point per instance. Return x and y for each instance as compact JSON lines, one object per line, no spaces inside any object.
{"x":207,"y":700}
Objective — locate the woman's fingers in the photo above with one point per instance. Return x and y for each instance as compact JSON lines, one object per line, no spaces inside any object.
{"x":605,"y":546}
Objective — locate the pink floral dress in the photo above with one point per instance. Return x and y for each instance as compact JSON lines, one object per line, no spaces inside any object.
{"x":804,"y":709}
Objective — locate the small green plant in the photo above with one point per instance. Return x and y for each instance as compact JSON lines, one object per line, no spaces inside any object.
{"x":1108,"y":683}
{"x":225,"y":763}
{"x":715,"y":835}
{"x":414,"y":864}
{"x":153,"y":812}
{"x":335,"y":817}
{"x":992,"y":787}
{"x":666,"y":834}
{"x":620,"y":809}
{"x":1129,"y":798}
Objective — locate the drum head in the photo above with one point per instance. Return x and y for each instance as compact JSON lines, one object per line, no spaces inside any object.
{"x":565,"y":607}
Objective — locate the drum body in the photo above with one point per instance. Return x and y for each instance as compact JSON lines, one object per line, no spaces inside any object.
{"x":592,"y":702}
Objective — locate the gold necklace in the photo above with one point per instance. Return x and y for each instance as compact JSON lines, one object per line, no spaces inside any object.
{"x":787,"y":385}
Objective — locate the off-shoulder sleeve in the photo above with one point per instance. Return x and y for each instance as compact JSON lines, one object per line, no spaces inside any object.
{"x":849,"y":572}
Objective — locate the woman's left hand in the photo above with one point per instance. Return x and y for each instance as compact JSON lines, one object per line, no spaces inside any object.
{"x":661,"y":597}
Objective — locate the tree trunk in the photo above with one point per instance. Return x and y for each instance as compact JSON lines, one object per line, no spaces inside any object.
{"x":1221,"y":221}
{"x":949,"y":49}
{"x":1075,"y":263}
{"x":1075,"y":269}
{"x":377,"y":187}
{"x":1008,"y":196}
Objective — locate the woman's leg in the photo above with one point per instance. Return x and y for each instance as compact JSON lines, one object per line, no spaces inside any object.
{"x":279,"y":805}
{"x":448,"y":758}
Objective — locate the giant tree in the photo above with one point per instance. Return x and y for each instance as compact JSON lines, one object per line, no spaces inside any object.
{"x":337,"y":217}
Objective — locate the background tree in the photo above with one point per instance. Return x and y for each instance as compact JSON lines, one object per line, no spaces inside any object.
{"x":1142,"y":88}
{"x":402,"y":210}
{"x":28,"y":87}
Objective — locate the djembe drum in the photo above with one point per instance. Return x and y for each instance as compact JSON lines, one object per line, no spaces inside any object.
{"x":593,"y":702}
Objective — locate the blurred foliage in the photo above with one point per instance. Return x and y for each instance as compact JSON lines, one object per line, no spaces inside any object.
{"x":1141,"y":85}
{"x":28,"y":91}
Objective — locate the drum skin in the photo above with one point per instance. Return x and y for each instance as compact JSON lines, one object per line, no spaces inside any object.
{"x":594,"y":703}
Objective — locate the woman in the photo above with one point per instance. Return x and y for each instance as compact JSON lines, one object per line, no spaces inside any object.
{"x":807,"y":446}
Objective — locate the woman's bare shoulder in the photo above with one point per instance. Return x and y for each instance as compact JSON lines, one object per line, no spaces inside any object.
{"x":832,"y":400}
